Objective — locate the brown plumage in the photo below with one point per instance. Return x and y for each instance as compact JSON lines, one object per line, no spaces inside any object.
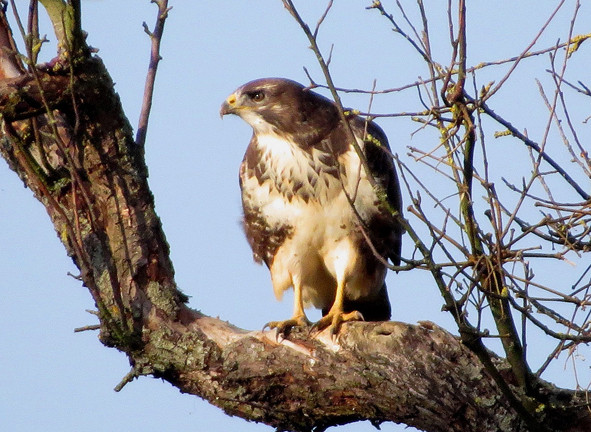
{"x":299,"y":177}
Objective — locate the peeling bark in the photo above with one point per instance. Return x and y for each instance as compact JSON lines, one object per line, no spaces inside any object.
{"x":64,"y":133}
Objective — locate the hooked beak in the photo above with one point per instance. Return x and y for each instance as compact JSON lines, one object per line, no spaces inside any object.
{"x":229,"y":105}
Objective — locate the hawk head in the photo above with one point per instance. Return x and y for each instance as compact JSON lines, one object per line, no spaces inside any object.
{"x":282,"y":107}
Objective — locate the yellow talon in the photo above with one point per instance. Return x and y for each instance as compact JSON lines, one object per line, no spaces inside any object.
{"x":333,"y":321}
{"x":284,"y":327}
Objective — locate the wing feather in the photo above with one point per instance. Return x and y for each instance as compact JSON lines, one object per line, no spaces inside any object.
{"x":385,"y":231}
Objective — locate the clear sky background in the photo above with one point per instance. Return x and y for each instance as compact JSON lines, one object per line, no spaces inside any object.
{"x":53,"y":379}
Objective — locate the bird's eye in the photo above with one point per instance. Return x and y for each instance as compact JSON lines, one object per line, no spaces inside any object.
{"x":257,"y":96}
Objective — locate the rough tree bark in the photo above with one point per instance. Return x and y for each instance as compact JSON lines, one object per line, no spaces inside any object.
{"x":65,"y":134}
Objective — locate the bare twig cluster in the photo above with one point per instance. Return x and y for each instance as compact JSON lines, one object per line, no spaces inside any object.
{"x":489,"y":237}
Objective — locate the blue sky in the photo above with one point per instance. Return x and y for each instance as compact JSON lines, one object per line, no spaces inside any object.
{"x":53,"y":379}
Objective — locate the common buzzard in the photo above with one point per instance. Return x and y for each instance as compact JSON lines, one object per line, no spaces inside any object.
{"x":315,"y":213}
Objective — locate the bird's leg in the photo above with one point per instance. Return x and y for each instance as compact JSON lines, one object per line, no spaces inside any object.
{"x":336,"y":315}
{"x":298,"y":319}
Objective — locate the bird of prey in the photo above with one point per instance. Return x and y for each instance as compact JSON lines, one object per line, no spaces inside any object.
{"x":319,"y":215}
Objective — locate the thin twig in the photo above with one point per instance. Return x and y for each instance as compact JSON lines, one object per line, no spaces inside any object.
{"x":87,"y":328}
{"x":533,"y":145}
{"x":322,"y":18}
{"x":523,"y":54}
{"x":155,"y":37}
